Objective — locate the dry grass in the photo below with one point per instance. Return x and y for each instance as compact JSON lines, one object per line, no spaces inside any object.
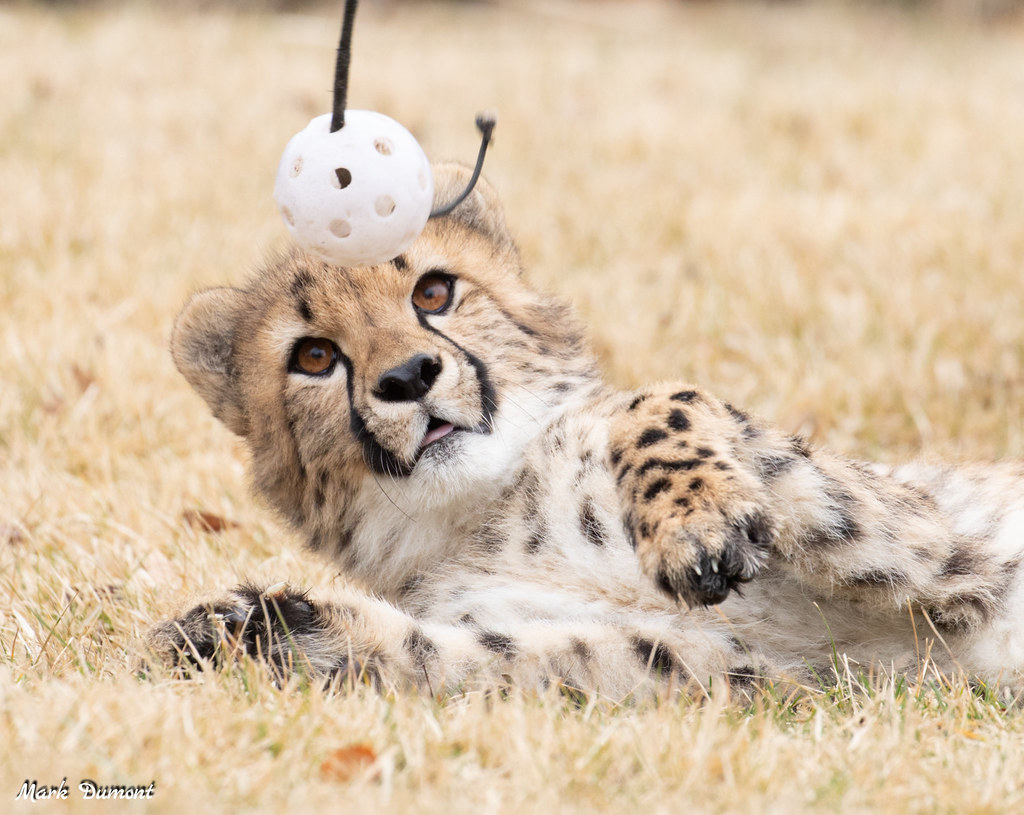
{"x":814,"y":210}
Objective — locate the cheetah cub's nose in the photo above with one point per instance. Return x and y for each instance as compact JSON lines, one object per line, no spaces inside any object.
{"x":410,"y":380}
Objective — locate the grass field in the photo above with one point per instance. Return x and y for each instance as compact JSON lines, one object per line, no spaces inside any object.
{"x":816,"y":211}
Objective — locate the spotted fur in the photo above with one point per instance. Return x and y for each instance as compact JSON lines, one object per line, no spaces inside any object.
{"x":502,"y":514}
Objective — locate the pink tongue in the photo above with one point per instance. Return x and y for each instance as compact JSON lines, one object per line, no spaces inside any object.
{"x":436,"y":433}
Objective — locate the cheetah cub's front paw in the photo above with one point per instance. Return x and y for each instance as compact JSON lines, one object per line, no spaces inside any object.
{"x":262,"y":623}
{"x":698,"y":520}
{"x":700,"y":559}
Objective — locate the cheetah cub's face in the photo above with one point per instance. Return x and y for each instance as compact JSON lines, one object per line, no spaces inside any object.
{"x":432,"y":370}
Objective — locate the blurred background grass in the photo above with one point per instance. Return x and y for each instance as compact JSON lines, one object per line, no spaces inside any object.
{"x":816,"y":210}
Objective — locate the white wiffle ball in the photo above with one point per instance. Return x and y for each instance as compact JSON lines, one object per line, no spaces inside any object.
{"x":356,"y":197}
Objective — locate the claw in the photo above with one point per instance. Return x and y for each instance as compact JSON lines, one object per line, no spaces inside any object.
{"x":714,"y":565}
{"x":233,"y":616}
{"x":697,"y":570}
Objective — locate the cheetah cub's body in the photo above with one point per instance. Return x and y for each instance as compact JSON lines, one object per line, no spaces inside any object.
{"x":438,"y":430}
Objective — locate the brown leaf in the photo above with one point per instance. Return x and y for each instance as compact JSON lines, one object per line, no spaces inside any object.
{"x":11,"y":534}
{"x":53,"y":405}
{"x":83,"y":379}
{"x":347,"y":762}
{"x":207,"y":521}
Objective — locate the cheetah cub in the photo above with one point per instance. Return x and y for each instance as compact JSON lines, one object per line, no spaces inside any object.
{"x":438,"y":431}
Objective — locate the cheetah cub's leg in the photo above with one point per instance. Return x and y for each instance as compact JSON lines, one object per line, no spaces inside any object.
{"x":698,"y":517}
{"x":711,"y":496}
{"x":361,"y":639}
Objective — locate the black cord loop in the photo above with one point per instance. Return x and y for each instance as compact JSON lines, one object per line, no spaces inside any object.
{"x":485,"y":123}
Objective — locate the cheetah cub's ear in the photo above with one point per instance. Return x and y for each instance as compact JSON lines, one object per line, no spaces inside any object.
{"x":203,"y":348}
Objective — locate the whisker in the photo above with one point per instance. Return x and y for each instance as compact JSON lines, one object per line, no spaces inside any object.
{"x":540,"y":399}
{"x":384,"y":492}
{"x":533,"y":419}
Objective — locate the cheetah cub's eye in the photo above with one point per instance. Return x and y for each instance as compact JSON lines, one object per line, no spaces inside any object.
{"x":433,"y":293}
{"x":313,"y":357}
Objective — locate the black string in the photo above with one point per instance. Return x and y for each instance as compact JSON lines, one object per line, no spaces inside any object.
{"x":341,"y":66}
{"x":485,"y":123}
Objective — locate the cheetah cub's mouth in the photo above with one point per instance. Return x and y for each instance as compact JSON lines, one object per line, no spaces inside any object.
{"x":437,"y":429}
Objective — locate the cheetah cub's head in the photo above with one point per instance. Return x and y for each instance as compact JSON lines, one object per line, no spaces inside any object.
{"x":429,"y":372}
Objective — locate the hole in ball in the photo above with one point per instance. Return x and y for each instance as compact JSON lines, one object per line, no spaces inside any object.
{"x":296,"y":167}
{"x":383,"y":146}
{"x":287,"y":213}
{"x":344,"y":177}
{"x":384,"y":205}
{"x":340,"y":228}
